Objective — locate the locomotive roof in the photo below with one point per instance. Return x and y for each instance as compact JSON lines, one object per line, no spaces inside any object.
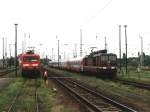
{"x":97,"y":52}
{"x":30,"y":55}
{"x":100,"y":54}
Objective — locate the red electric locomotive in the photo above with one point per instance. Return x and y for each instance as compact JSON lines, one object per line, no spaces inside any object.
{"x":30,"y":64}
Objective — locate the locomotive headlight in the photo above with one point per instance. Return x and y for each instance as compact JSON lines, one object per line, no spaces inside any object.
{"x":25,"y":65}
{"x":112,"y":67}
{"x":104,"y":67}
{"x":34,"y":64}
{"x":100,"y":67}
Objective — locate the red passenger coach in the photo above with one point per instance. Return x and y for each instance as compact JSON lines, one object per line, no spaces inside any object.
{"x":30,"y":64}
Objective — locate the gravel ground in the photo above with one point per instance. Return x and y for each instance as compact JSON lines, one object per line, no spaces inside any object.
{"x":64,"y":102}
{"x":137,"y":98}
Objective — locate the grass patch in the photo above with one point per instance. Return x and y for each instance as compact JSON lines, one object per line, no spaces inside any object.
{"x":133,"y":74}
{"x":8,"y":93}
{"x":47,"y":97}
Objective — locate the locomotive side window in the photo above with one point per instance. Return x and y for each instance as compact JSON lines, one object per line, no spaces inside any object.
{"x":112,"y":58}
{"x":89,"y":61}
{"x":104,"y":58}
{"x":94,"y":61}
{"x":85,"y":61}
{"x":30,"y":59}
{"x":98,"y":61}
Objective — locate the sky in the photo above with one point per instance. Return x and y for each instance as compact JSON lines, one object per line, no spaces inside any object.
{"x":43,"y":20}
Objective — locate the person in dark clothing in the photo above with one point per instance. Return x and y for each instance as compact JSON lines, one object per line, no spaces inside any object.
{"x":45,"y":76}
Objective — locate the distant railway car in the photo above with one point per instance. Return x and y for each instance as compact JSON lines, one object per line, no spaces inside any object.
{"x":73,"y":65}
{"x":99,"y":63}
{"x":30,"y":64}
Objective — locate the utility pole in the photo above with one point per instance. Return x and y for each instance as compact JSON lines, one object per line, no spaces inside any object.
{"x":24,"y":43}
{"x":75,"y":50}
{"x":80,"y":42}
{"x":58,"y":49}
{"x":40,"y":51}
{"x":16,"y":49}
{"x":3,"y":53}
{"x":64,"y":55}
{"x":141,"y":59}
{"x":58,"y":52}
{"x":96,"y":40}
{"x":52,"y":54}
{"x":10,"y":54}
{"x":22,"y":47}
{"x":29,"y":40}
{"x":105,"y":44}
{"x":125,"y":26}
{"x":10,"y":50}
{"x":5,"y":47}
{"x":120,"y":46}
{"x":6,"y":59}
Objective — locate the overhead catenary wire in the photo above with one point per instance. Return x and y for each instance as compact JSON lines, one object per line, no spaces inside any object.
{"x":97,"y":13}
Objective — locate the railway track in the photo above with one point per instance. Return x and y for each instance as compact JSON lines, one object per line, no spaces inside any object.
{"x":133,"y":83}
{"x":93,"y":100}
{"x":6,"y":72}
{"x":36,"y":101}
{"x":14,"y":106}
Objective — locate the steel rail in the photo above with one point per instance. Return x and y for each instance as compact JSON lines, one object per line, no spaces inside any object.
{"x":36,"y":101}
{"x":125,"y":108}
{"x":13,"y":103}
{"x":14,"y":100}
{"x":92,"y":106}
{"x":10,"y":109}
{"x":95,"y":108}
{"x":133,"y":83}
{"x":6,"y":72}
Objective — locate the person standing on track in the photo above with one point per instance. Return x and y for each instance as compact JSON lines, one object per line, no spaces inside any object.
{"x":45,"y":77}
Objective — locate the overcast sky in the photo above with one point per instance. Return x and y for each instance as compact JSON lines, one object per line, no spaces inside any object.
{"x":44,"y":19}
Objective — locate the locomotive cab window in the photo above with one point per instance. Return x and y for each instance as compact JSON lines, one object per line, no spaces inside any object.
{"x":113,"y":59}
{"x":30,"y":59}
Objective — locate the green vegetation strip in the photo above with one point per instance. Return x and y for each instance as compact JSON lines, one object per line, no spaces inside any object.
{"x":142,"y":76}
{"x":25,"y":102}
{"x":8,"y":94}
{"x":46,"y":97}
